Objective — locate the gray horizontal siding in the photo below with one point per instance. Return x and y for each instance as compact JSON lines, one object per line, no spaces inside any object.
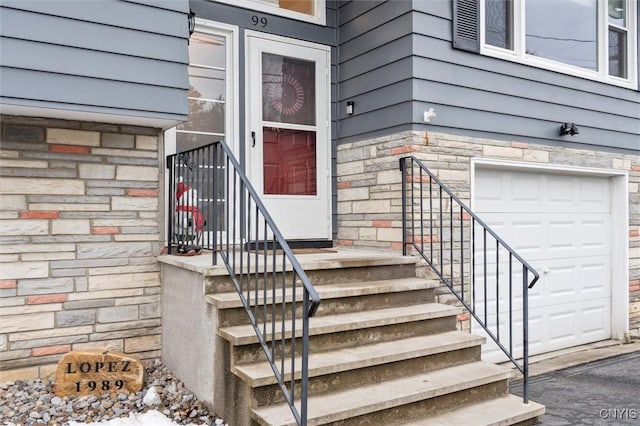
{"x":512,"y":101}
{"x":478,"y":123}
{"x":440,"y":61}
{"x":512,"y":96}
{"x":360,"y":67}
{"x":472,"y":94}
{"x":126,"y":58}
{"x":391,"y":119}
{"x":175,"y":5}
{"x":91,"y":63}
{"x":124,"y":14}
{"x":79,"y":90}
{"x":375,"y":67}
{"x":49,"y":29}
{"x":379,"y":77}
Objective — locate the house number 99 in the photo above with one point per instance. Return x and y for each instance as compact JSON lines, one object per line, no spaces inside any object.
{"x":262,"y":21}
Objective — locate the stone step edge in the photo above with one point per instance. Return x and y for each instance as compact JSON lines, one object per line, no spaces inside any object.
{"x":363,"y":400}
{"x":503,"y":411}
{"x":230,"y":300}
{"x":345,"y":359}
{"x":245,"y":334}
{"x":324,"y":261}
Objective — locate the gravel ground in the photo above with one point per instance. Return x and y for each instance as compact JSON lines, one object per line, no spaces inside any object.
{"x":32,"y":402}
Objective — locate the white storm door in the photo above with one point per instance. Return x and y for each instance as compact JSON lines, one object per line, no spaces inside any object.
{"x":288,"y":139}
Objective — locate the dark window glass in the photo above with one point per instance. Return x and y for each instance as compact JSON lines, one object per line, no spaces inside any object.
{"x":288,"y":90}
{"x":617,"y":53}
{"x":499,"y":23}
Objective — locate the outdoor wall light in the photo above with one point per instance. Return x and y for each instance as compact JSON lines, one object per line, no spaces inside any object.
{"x":568,"y":129}
{"x":350,"y":107}
{"x":192,"y":22}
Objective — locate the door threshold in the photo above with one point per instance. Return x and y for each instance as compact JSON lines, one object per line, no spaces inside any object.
{"x":294,"y":244}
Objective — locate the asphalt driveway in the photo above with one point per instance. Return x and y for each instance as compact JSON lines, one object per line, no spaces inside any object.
{"x":605,"y":392}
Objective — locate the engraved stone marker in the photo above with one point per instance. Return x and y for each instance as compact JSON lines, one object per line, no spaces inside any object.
{"x":95,"y":372}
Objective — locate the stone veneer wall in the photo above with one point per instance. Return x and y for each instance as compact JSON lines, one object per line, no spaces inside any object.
{"x":369,"y":189}
{"x":79,"y":239}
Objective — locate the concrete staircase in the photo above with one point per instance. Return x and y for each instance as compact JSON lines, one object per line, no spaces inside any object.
{"x":381,"y":353}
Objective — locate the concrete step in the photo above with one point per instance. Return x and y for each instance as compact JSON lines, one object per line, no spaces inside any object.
{"x":336,"y":298}
{"x":231,"y":300}
{"x":508,"y":410}
{"x":341,"y":266}
{"x":330,"y":362}
{"x":367,"y":400}
{"x":245,"y":334}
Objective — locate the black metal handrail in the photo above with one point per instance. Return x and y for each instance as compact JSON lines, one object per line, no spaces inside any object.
{"x":435,"y":227}
{"x":237,"y":227}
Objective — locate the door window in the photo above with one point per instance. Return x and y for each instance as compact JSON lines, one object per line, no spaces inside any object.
{"x":288,"y":97}
{"x":207,"y":93}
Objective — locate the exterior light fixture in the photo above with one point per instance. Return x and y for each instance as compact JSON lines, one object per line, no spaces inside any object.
{"x":350,"y":107}
{"x":192,"y":22}
{"x":428,"y":115}
{"x":568,"y":129}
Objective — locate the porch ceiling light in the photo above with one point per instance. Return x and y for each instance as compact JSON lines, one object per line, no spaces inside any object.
{"x":568,"y":129}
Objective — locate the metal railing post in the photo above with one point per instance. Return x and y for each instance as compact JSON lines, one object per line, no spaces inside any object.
{"x":478,"y":258}
{"x":304,"y":385}
{"x":241,"y":216}
{"x":172,"y":207}
{"x":525,"y":334}
{"x":403,"y":172}
{"x":214,"y":214}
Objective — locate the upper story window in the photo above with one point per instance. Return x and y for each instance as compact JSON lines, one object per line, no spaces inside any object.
{"x":590,"y":38}
{"x":302,"y":10}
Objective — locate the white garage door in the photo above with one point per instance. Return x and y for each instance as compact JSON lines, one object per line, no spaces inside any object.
{"x":560,"y":224}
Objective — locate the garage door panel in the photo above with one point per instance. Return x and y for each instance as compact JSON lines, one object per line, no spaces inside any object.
{"x":595,"y":236}
{"x":595,"y":279}
{"x":571,"y":280}
{"x":595,"y":320}
{"x":490,"y":193}
{"x":528,"y":192}
{"x":559,"y":284}
{"x":595,"y":195}
{"x":561,"y":225}
{"x":547,"y":236}
{"x":525,"y":190}
{"x":528,"y":243}
{"x":560,"y":235}
{"x":550,"y":328}
{"x":561,"y":193}
{"x":562,"y":325}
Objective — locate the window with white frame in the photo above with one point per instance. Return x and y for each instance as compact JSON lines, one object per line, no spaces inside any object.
{"x":589,"y":38}
{"x":303,"y":10}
